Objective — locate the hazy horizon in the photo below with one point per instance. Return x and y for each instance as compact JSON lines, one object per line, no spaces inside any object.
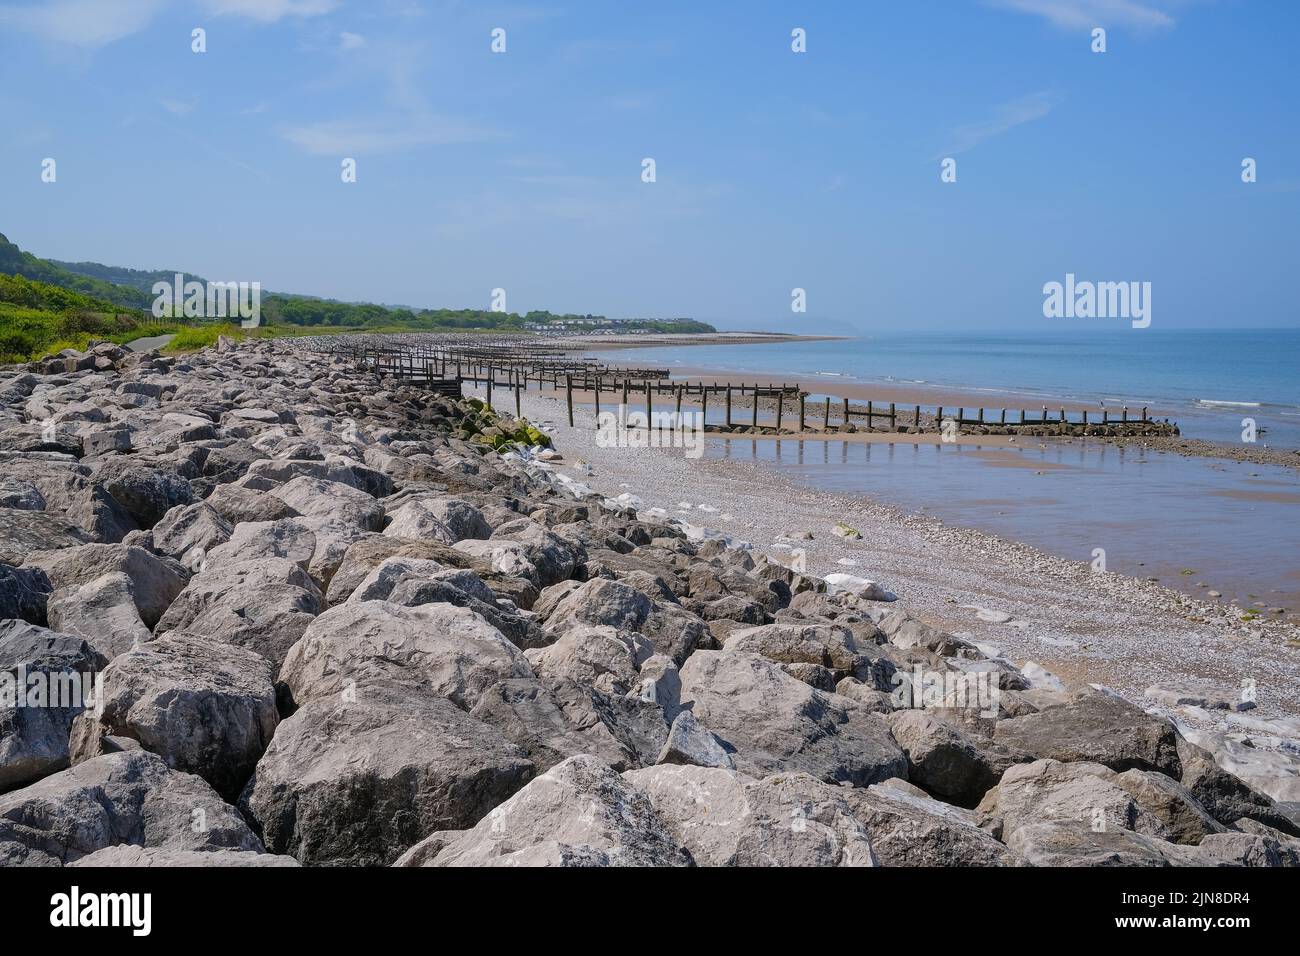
{"x":775,"y":170}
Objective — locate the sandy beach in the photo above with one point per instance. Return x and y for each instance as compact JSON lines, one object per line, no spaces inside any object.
{"x":1084,"y":626}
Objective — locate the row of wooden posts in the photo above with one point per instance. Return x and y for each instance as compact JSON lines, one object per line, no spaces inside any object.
{"x":447,"y":368}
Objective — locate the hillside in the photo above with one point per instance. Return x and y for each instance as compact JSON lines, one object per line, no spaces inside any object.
{"x":133,"y":288}
{"x":14,"y":261}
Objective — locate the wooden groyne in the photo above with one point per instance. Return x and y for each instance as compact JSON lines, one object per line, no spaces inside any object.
{"x":513,"y":364}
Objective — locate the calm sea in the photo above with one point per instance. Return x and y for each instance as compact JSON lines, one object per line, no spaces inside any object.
{"x":1228,"y":526}
{"x":1207,"y":381}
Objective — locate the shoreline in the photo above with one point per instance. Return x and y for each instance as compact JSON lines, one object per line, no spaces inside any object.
{"x":929,"y":395}
{"x":1085,"y":627}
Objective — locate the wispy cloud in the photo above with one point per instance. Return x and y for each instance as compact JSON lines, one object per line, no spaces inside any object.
{"x":1085,"y":14}
{"x":351,"y":41}
{"x":1006,"y":117}
{"x":348,"y":138}
{"x":272,"y":11}
{"x":178,"y":107}
{"x":81,"y":23}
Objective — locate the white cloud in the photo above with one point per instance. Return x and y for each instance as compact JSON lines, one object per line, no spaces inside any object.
{"x":1085,"y":14}
{"x":82,"y":23}
{"x":272,"y":11}
{"x":350,"y":41}
{"x":178,"y":107}
{"x":348,"y":138}
{"x":1006,"y":117}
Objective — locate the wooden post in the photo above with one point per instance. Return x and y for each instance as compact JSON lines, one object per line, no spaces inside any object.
{"x":938,"y":417}
{"x":802,"y":399}
{"x":624,"y":411}
{"x":1124,"y":414}
{"x":597,"y":401}
{"x":489,"y":390}
{"x":1002,"y":419}
{"x":916,"y":418}
{"x":846,"y":414}
{"x":780,"y":407}
{"x":1044,"y":414}
{"x":518,"y":411}
{"x":678,"y":419}
{"x":753,"y":421}
{"x":961,"y":413}
{"x":893,"y":418}
{"x":1105,"y":416}
{"x":649,"y":406}
{"x":1085,"y":417}
{"x":870,"y":414}
{"x":704,"y":407}
{"x":981,"y":416}
{"x":1063,"y":419}
{"x":1144,"y":413}
{"x":728,"y":406}
{"x":568,"y":396}
{"x":826,"y":419}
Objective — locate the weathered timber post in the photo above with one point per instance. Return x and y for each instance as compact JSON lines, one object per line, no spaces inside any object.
{"x":518,"y":410}
{"x":916,"y":418}
{"x":728,"y":406}
{"x":489,"y":390}
{"x":1124,"y":414}
{"x":704,"y":407}
{"x":826,"y":418}
{"x":568,"y":396}
{"x":780,"y":407}
{"x":753,"y":420}
{"x":846,"y":414}
{"x":649,"y":406}
{"x":893,"y":418}
{"x":802,"y":400}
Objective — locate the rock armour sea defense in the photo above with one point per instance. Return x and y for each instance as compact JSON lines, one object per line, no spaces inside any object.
{"x":330,"y":618}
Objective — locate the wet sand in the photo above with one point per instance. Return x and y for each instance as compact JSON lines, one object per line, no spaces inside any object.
{"x":1086,"y":626}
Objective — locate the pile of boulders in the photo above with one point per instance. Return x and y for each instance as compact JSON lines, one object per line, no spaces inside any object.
{"x":323,"y":629}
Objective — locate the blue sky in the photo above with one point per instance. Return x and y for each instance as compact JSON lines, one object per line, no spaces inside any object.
{"x":775,"y":170}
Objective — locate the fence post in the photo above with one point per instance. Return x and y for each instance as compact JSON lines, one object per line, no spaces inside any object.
{"x":916,"y":418}
{"x":753,"y":421}
{"x":568,"y":396}
{"x":728,"y":406}
{"x":893,"y":418}
{"x":826,"y":419}
{"x":802,"y":399}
